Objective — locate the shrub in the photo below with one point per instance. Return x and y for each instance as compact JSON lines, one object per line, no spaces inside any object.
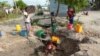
{"x":2,"y":14}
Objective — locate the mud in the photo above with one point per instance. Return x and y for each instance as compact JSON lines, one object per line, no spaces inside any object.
{"x":67,"y":47}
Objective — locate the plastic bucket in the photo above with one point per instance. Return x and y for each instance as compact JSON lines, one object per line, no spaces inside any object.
{"x":23,"y":33}
{"x":69,"y":26}
{"x":40,"y":34}
{"x":18,"y":28}
{"x":55,"y":39}
{"x":78,"y":28}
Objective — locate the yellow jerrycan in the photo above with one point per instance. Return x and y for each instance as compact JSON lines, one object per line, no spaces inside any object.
{"x":55,"y":39}
{"x":78,"y":28}
{"x":18,"y":28}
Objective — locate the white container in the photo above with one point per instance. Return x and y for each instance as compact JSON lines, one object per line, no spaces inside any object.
{"x":2,"y":34}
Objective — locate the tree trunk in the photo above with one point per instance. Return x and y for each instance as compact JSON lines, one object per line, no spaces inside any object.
{"x":97,"y":4}
{"x":57,"y":12}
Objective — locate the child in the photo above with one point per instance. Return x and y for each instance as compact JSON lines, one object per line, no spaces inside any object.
{"x":27,"y":20}
{"x":50,"y":47}
{"x":53,"y":22}
{"x":70,"y":14}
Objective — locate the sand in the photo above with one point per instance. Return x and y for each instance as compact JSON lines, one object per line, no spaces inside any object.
{"x":19,"y":46}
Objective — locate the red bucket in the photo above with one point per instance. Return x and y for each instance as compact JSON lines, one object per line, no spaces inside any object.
{"x":69,"y":26}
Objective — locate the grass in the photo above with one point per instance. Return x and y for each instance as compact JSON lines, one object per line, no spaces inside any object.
{"x":10,"y":16}
{"x":4,"y":16}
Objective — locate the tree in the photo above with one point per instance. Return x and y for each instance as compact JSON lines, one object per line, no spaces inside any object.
{"x":58,"y":6}
{"x":97,"y":2}
{"x":4,"y":4}
{"x":20,"y":4}
{"x":39,"y":6}
{"x":57,"y":12}
{"x":77,"y":4}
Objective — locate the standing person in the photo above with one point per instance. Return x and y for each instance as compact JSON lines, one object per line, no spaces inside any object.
{"x":27,"y":20}
{"x":53,"y":22}
{"x":71,"y":13}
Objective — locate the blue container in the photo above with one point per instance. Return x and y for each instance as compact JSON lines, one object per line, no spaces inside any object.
{"x":23,"y":33}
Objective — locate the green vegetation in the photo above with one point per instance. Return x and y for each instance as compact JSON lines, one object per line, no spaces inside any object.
{"x":4,"y":16}
{"x":77,"y":4}
{"x":12,"y":15}
{"x":4,"y":4}
{"x":20,"y":4}
{"x":16,"y":12}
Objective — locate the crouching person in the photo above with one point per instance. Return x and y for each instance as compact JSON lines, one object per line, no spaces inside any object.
{"x":50,"y":48}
